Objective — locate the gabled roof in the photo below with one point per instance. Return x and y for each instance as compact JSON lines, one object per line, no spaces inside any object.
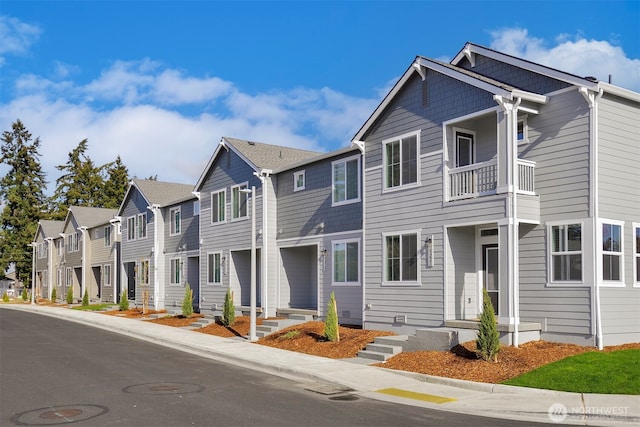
{"x":420,"y":64}
{"x":50,"y":228}
{"x":159,"y":193}
{"x":91,"y":217}
{"x":259,"y":156}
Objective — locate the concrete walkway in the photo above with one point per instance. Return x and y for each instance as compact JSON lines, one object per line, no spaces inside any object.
{"x":345,"y":377}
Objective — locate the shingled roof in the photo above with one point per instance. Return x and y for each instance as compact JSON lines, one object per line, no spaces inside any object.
{"x":51,"y":228}
{"x":164,"y":193}
{"x":267,"y":156}
{"x":92,"y":217}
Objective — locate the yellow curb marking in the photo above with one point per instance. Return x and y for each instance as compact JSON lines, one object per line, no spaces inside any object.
{"x":415,"y":395}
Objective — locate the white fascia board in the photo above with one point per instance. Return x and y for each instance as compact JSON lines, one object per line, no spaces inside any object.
{"x":209,"y":164}
{"x":619,"y":91}
{"x":242,"y":156}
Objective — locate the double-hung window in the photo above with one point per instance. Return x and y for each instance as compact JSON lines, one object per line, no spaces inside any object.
{"x":214,"y":268}
{"x":218,"y":206}
{"x":176,"y":271}
{"x":143,"y":272}
{"x":239,"y":201}
{"x":636,"y":252}
{"x":401,"y":258}
{"x":141,"y":226}
{"x":346,"y":180}
{"x":107,"y":236}
{"x":346,"y":262}
{"x":566,"y":253}
{"x":106,"y":274}
{"x":68,"y":277}
{"x":612,"y":252}
{"x":401,"y":161}
{"x":131,"y":228}
{"x":175,"y":227}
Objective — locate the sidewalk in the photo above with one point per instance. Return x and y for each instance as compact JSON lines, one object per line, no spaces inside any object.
{"x":342,"y":378}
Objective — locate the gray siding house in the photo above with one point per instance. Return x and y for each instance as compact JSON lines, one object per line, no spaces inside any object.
{"x":157,"y":231}
{"x":492,"y":172}
{"x":47,"y":244}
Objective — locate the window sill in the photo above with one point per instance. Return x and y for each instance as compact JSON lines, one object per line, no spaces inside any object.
{"x":401,"y":284}
{"x":567,"y":284}
{"x":346,"y":284}
{"x":400,"y":188}
{"x":613,"y":284}
{"x":345,"y":202}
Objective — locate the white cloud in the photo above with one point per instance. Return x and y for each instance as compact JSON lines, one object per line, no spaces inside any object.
{"x":17,"y":36}
{"x":574,"y":54}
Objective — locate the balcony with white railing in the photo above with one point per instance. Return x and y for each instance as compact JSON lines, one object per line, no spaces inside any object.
{"x":481,"y":179}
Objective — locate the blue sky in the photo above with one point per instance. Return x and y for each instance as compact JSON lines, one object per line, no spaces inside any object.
{"x":160,"y":82}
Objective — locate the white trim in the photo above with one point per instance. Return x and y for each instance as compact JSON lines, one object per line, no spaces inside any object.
{"x":216,"y":193}
{"x":296,"y":175}
{"x":372,"y":169}
{"x":106,"y":267}
{"x":240,"y":186}
{"x":346,"y":160}
{"x":525,"y":130}
{"x":333,"y":265}
{"x":620,"y":254}
{"x":456,"y":131}
{"x":431,"y":154}
{"x":635,"y":234}
{"x":172,"y":212}
{"x":171,"y":278}
{"x":481,"y":113}
{"x":565,"y":283}
{"x":315,"y":236}
{"x":401,"y":283}
{"x":400,"y":138}
{"x":222,"y":266}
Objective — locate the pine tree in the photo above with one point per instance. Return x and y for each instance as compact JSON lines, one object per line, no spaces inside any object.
{"x":54,"y":294}
{"x":331,"y":327}
{"x":124,"y":301}
{"x":488,"y":341}
{"x":70,"y":295}
{"x":22,"y":199}
{"x":85,"y":298}
{"x":116,"y":184}
{"x":187,"y":302}
{"x":229,"y":310}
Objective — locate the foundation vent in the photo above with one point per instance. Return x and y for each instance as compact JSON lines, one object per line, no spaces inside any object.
{"x":400,"y":318}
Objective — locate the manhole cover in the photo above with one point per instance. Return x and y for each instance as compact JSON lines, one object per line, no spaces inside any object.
{"x":344,"y":398}
{"x":57,"y":415}
{"x":164,"y":388}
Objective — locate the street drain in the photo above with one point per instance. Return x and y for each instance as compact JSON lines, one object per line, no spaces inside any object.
{"x":58,"y":415}
{"x":163,"y":388}
{"x":344,"y":397}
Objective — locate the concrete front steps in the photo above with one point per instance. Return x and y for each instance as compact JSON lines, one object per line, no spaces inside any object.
{"x":268,"y":327}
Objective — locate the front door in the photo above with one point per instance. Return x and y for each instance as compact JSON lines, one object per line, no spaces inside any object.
{"x":490,"y":273}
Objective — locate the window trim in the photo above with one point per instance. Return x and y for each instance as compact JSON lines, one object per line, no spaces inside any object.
{"x":68,"y":278}
{"x":636,"y":254}
{"x":196,"y":207}
{"x":405,"y":283}
{"x":525,"y":130}
{"x":140,"y":276}
{"x":212,"y":256}
{"x":473,"y":154}
{"x":296,"y":175}
{"x":550,"y":254}
{"x":107,"y":236}
{"x":240,"y":186}
{"x":345,"y":161}
{"x":141,"y":233}
{"x":385,"y":142}
{"x":334,"y":243}
{"x":179,"y":265}
{"x":620,"y":283}
{"x":217,"y":194}
{"x":175,"y":228}
{"x":131,"y":228}
{"x":105,"y":268}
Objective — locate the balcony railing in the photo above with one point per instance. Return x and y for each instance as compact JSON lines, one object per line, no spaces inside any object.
{"x":480,"y":179}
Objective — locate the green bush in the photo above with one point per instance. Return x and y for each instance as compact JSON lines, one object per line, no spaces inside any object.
{"x":488,"y":341}
{"x":229,"y":310}
{"x":187,"y":302}
{"x":25,"y":295}
{"x":331,"y":331}
{"x":70,"y":295}
{"x":54,"y":294}
{"x":124,"y":301}
{"x":85,"y":298}
{"x":5,"y":296}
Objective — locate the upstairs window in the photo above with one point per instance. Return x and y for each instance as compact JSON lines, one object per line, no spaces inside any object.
{"x":131,"y":228}
{"x":298,"y":181}
{"x":175,"y":227}
{"x":611,"y":252}
{"x":465,"y":148}
{"x":401,"y":161}
{"x":218,"y":206}
{"x":239,"y":201}
{"x":522,"y":131}
{"x":196,"y":208}
{"x":141,"y":226}
{"x":107,"y":236}
{"x":566,"y":253}
{"x":346,"y":180}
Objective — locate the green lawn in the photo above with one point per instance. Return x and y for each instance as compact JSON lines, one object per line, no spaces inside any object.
{"x":93,"y":307}
{"x":616,"y":372}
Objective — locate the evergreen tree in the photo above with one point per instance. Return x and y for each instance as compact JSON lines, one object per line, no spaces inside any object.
{"x":124,"y":301}
{"x":70,"y":295}
{"x":488,"y":341}
{"x":331,"y":327}
{"x":54,"y":294}
{"x":187,"y":302}
{"x":229,"y":310}
{"x":22,"y":198}
{"x":116,"y":185}
{"x":85,"y":298}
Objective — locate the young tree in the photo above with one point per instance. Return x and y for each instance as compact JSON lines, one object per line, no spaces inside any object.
{"x":85,"y":298}
{"x":488,"y":341}
{"x":187,"y":301}
{"x":331,"y":327}
{"x":229,"y":310}
{"x":22,"y":199}
{"x":116,"y":184}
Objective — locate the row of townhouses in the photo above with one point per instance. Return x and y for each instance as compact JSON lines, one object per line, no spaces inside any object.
{"x":488,"y":172}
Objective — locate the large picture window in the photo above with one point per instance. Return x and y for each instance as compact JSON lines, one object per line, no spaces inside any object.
{"x":346,"y":180}
{"x":346,"y":262}
{"x":239,"y":201}
{"x":214,"y":268}
{"x":401,"y":258}
{"x":218,"y":206}
{"x":401,"y":161}
{"x":176,"y":221}
{"x":611,"y":252}
{"x":566,"y":253}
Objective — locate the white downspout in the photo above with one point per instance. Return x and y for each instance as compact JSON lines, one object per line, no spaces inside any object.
{"x":33,"y":273}
{"x":361,"y":147}
{"x":85,"y":257}
{"x":592,"y":98}
{"x":158,"y":234}
{"x":264,"y":298}
{"x":50,"y":251}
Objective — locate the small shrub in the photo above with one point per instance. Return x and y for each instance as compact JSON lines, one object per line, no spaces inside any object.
{"x":289,"y":335}
{"x":70,"y":295}
{"x":229,"y":310}
{"x":54,"y":294}
{"x":124,"y":301}
{"x":25,"y":295}
{"x":85,"y":298}
{"x":488,"y":341}
{"x":331,"y":331}
{"x":5,"y":296}
{"x":187,"y":302}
